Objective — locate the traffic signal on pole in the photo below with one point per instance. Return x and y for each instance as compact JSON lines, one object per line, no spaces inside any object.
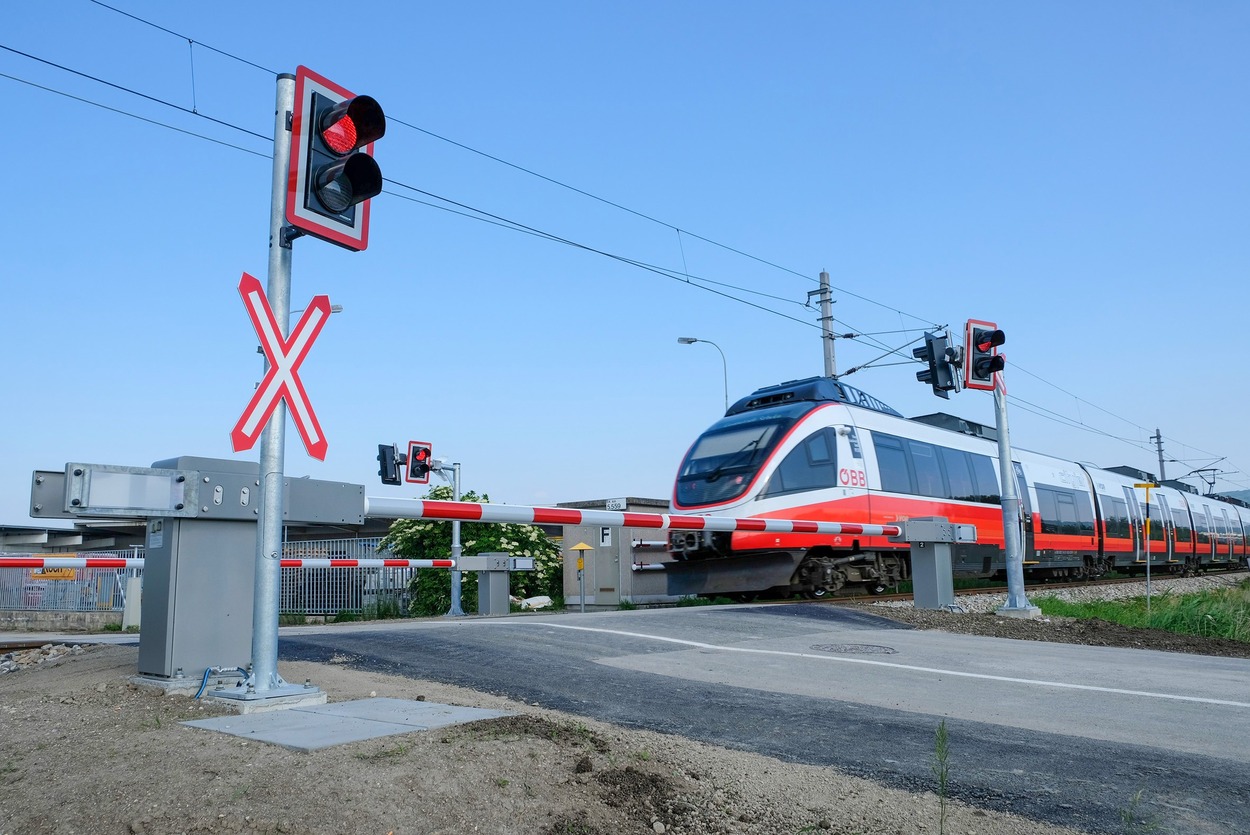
{"x":936,"y":354}
{"x":420,"y":458}
{"x":332,"y":173}
{"x":388,"y":463}
{"x":981,"y":359}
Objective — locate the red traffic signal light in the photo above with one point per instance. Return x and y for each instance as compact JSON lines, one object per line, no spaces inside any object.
{"x":420,"y":459}
{"x":981,"y":359}
{"x":332,"y":172}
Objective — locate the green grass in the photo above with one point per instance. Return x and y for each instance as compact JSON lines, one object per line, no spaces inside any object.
{"x":1223,"y":613}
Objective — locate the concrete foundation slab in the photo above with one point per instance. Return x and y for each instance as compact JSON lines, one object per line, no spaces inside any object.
{"x":309,"y":728}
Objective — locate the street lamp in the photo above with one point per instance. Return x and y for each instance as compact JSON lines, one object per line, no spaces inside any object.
{"x":690,"y":340}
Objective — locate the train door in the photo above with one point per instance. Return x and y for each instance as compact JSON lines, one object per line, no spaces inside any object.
{"x":1169,"y":530}
{"x":1224,"y":541}
{"x":1204,"y":539}
{"x":1135,"y":524}
{"x":1026,"y":513}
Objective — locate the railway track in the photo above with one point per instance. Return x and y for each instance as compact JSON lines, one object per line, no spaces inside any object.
{"x":864,"y":597}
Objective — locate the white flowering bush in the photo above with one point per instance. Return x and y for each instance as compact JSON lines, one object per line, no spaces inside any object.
{"x":430,"y":589}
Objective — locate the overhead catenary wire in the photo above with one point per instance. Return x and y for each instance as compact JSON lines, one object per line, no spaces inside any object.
{"x":471,"y":212}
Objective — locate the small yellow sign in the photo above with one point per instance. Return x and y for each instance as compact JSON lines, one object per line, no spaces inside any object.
{"x":54,"y":574}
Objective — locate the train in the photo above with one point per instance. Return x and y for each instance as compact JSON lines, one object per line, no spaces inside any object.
{"x":818,"y":449}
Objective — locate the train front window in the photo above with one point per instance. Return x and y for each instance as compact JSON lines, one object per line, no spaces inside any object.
{"x":723,"y":462}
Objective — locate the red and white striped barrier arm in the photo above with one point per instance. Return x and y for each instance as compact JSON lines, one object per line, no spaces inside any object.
{"x":343,"y":563}
{"x":107,"y":562}
{"x":70,"y":562}
{"x":474,"y":512}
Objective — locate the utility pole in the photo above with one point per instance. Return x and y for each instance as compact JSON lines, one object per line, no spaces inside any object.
{"x":826,"y":323}
{"x":1157,"y":437}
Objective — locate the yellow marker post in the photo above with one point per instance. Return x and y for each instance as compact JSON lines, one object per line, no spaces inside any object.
{"x":1147,"y":486}
{"x":581,"y":548}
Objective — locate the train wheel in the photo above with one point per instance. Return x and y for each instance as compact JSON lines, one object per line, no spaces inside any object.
{"x":875,"y":587}
{"x":816,"y":593}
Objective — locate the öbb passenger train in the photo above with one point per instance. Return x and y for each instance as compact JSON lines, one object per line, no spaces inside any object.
{"x":820,"y":450}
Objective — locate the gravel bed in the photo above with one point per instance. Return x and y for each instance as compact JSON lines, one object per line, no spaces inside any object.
{"x":985,"y":603}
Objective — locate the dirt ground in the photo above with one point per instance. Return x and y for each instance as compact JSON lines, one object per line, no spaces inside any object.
{"x":85,"y":751}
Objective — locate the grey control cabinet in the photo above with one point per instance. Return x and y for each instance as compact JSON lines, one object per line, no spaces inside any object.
{"x":198,"y":582}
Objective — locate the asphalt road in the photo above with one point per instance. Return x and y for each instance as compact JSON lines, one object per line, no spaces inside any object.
{"x":1065,"y":734}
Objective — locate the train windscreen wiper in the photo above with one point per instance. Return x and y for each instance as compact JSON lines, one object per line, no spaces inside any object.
{"x":753,"y":446}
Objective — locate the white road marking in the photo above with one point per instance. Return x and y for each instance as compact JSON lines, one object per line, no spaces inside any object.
{"x":910,"y":667}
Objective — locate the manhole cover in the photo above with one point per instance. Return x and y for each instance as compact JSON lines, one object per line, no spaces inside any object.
{"x":855,"y":649}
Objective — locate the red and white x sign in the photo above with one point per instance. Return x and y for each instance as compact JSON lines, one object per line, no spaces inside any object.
{"x":282,"y":381}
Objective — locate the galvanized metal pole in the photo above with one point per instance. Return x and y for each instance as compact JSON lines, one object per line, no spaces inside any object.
{"x":456,"y":609}
{"x":1017,"y":602}
{"x":272,"y":442}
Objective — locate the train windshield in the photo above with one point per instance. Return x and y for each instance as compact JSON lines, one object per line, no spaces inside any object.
{"x":722,"y":463}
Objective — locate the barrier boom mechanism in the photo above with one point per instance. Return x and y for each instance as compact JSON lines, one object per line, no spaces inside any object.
{"x":387,"y":508}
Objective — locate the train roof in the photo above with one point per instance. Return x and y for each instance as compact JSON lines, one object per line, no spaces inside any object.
{"x":958,"y":424}
{"x":811,"y":390}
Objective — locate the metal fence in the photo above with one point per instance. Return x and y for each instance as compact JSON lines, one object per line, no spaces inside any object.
{"x":67,"y":589}
{"x":305,"y":591}
{"x":332,"y":591}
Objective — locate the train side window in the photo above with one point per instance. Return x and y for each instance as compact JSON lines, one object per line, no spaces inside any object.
{"x":1046,"y":507}
{"x":1117,"y":517}
{"x":1084,"y":513}
{"x":928,"y":472}
{"x":1069,"y":521}
{"x":986,"y":476}
{"x":892,"y":462}
{"x":958,"y":474}
{"x":1180,"y":519}
{"x":812,"y":465}
{"x":1065,"y":511}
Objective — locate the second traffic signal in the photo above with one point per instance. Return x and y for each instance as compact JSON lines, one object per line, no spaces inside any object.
{"x":420,"y":458}
{"x":389,"y":462}
{"x":981,"y":359}
{"x":937,"y":354}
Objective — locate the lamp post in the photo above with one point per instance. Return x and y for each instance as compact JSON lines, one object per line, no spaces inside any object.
{"x":690,"y":340}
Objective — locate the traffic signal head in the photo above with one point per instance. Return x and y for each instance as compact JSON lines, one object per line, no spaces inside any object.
{"x":388,"y":463}
{"x":981,"y":359}
{"x":939,"y":374}
{"x":332,"y":173}
{"x":420,"y":457}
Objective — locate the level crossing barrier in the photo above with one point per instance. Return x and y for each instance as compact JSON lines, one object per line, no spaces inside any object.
{"x":388,"y":508}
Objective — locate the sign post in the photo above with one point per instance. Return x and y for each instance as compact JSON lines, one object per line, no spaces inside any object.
{"x":581,"y":548}
{"x":266,"y":597}
{"x":1147,"y":486}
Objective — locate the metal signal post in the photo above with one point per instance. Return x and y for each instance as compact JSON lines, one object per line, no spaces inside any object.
{"x":323,"y":177}
{"x":1017,"y":604}
{"x":266,"y":594}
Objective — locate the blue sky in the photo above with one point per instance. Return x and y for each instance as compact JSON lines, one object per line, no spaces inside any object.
{"x":1076,"y":172}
